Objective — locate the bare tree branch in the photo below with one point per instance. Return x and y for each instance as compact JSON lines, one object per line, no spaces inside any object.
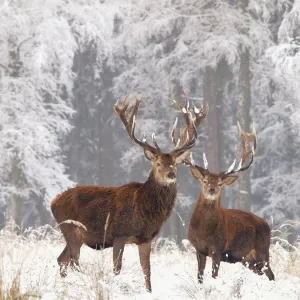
{"x":21,"y":44}
{"x":4,"y":67}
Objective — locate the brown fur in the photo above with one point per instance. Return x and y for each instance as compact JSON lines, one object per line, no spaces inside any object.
{"x":115,"y":216}
{"x":131,"y":213}
{"x":228,"y":235}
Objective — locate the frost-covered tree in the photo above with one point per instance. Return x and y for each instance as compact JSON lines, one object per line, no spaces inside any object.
{"x":187,"y":42}
{"x":276,"y":183}
{"x":240,"y":56}
{"x":39,"y":40}
{"x":174,"y":42}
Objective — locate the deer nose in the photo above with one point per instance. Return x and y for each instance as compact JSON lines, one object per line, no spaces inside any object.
{"x":212,"y":191}
{"x":172,"y":175}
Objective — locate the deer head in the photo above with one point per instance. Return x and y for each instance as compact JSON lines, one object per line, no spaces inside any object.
{"x":212,"y":182}
{"x":163,"y":164}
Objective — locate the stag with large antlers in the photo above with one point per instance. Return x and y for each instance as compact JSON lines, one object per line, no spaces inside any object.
{"x":131,"y":213}
{"x":228,"y":235}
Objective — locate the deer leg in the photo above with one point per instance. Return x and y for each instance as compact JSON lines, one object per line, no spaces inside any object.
{"x":216,"y":259}
{"x":75,"y":254}
{"x":74,"y":243}
{"x":268,"y":271}
{"x":250,"y":261}
{"x":264,"y":265}
{"x":144,"y":251}
{"x":71,"y":253}
{"x":63,"y":261}
{"x":201,"y":258}
{"x":118,"y":249}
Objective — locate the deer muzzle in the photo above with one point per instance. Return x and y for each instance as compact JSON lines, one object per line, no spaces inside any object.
{"x":212,"y":191}
{"x":172,"y":175}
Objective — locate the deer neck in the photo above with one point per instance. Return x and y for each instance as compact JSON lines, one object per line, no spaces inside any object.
{"x":158,"y":198}
{"x":206,"y":217}
{"x":209,"y":209}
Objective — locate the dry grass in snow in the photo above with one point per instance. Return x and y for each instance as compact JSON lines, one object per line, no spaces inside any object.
{"x":28,"y":270}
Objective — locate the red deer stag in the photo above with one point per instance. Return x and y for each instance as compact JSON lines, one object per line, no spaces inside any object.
{"x":228,"y":235}
{"x":131,"y":213}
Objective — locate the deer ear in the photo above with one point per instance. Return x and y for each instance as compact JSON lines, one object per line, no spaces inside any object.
{"x":181,"y":157}
{"x":150,"y":155}
{"x":229,"y":180}
{"x":197,"y":173}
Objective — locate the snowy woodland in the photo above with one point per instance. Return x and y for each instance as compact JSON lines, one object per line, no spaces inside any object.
{"x":63,"y":65}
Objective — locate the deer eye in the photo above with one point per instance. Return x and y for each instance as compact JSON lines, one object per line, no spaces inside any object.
{"x":205,"y":181}
{"x":158,"y":164}
{"x":220,"y":184}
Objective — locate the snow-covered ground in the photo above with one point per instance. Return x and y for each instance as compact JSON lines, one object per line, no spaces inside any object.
{"x":28,"y":266}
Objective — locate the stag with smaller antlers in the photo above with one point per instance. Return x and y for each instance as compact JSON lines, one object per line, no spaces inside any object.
{"x":228,"y":235}
{"x":131,"y":213}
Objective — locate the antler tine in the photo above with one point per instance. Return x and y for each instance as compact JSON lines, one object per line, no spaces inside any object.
{"x":173,"y":133}
{"x":128,"y":118}
{"x":184,"y":109}
{"x":186,"y":100}
{"x":154,"y":141}
{"x":245,"y":142}
{"x":124,"y":104}
{"x":188,"y":134}
{"x":200,"y":114}
{"x":191,"y":123}
{"x":190,"y":162}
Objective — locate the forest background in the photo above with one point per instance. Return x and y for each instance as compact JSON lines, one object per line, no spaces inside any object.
{"x":63,"y":64}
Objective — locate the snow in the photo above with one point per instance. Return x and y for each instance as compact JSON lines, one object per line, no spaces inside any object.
{"x":243,"y":192}
{"x":75,"y":223}
{"x":173,"y":272}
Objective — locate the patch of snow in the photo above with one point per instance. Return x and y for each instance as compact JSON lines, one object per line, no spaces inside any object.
{"x":74,"y":223}
{"x":243,"y":192}
{"x":173,"y":273}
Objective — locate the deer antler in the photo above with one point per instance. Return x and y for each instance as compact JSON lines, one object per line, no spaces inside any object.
{"x":191,"y":123}
{"x":245,"y":141}
{"x":128,"y":118}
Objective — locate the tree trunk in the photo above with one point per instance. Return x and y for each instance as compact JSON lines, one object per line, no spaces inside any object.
{"x":243,"y":200}
{"x":80,"y":150}
{"x":226,"y":110}
{"x":15,"y":205}
{"x":212,"y":123}
{"x":173,"y":228}
{"x":107,"y":169}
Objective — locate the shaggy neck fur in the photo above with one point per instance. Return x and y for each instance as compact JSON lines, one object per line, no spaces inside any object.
{"x":159,"y":199}
{"x":208,"y":209}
